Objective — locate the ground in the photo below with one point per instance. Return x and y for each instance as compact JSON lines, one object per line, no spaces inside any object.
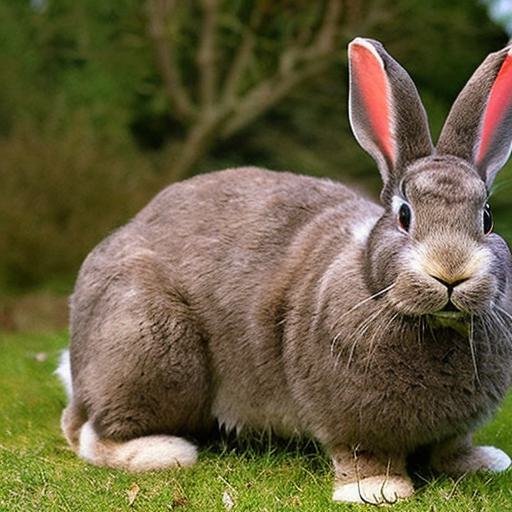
{"x":39,"y":473}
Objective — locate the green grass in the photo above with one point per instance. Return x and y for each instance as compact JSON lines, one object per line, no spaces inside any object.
{"x":38,"y":471}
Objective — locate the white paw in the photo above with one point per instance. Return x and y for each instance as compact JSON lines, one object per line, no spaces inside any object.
{"x":493,"y":459}
{"x":374,"y":490}
{"x":140,"y":454}
{"x":156,"y":452}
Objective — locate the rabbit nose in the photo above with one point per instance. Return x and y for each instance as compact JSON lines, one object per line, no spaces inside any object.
{"x":450,"y":284}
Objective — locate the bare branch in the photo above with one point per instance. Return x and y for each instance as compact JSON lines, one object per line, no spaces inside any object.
{"x":195,"y":145}
{"x":323,"y":43}
{"x":358,"y":22}
{"x":158,"y":12}
{"x":268,"y":93}
{"x":242,"y":57}
{"x":240,"y":62}
{"x":305,"y":56}
{"x":326,"y":37}
{"x":207,"y":55}
{"x":297,"y":64}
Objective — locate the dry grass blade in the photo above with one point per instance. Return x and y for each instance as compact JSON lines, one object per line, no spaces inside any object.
{"x":132,"y":493}
{"x":227,"y":501}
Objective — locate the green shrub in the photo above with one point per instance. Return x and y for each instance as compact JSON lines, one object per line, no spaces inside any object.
{"x":62,"y":190}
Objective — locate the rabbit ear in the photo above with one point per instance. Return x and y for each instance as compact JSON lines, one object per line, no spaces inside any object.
{"x":386,"y":113}
{"x":479,"y":125}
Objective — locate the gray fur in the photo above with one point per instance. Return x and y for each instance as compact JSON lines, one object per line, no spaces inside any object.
{"x":409,"y":123}
{"x":460,"y":135}
{"x":243,"y":297}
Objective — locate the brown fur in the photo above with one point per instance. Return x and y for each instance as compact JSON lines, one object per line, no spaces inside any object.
{"x":245,"y":297}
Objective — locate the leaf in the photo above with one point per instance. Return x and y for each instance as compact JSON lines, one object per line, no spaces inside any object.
{"x":227,"y":500}
{"x":132,"y":493}
{"x":179,"y":500}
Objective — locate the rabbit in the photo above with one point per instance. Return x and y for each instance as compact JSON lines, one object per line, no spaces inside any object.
{"x":248,"y":299}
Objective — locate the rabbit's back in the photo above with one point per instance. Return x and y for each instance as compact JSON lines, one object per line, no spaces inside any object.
{"x":247,"y":210}
{"x":228,"y":234}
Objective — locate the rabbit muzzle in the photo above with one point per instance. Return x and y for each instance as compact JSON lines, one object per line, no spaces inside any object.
{"x":452,"y":281}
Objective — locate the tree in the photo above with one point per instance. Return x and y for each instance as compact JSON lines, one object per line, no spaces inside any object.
{"x":243,"y":68}
{"x":103,"y":103}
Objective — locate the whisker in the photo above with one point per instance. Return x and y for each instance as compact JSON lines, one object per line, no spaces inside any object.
{"x":382,"y":332}
{"x":485,"y":329}
{"x":351,"y":310}
{"x":432,"y":331}
{"x":502,"y":324}
{"x":362,"y":331}
{"x":503,"y":311}
{"x":421,"y":331}
{"x":472,"y":347}
{"x":364,"y":301}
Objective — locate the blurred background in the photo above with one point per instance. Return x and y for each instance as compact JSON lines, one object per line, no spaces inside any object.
{"x":104,"y":103}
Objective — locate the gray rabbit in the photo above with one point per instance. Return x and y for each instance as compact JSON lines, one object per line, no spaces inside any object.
{"x":262,"y":300}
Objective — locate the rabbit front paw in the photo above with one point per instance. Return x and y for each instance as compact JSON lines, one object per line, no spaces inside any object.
{"x":374,"y":490}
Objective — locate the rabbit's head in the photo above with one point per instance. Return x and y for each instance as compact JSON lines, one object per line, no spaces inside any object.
{"x":433,"y":250}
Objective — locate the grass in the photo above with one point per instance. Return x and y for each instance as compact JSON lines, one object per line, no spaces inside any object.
{"x":38,"y":471}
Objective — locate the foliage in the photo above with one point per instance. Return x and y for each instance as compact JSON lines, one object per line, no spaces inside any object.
{"x":90,"y":125}
{"x":60,"y":189}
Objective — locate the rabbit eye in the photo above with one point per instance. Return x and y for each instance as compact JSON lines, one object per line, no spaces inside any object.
{"x":488,"y":220}
{"x":404,"y":216}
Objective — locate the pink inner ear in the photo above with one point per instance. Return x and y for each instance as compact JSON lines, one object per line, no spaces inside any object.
{"x":373,"y":87}
{"x":499,"y":102}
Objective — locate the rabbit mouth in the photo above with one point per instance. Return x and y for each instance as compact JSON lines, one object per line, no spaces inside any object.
{"x":456,"y":320}
{"x":449,"y":311}
{"x":450,"y":315}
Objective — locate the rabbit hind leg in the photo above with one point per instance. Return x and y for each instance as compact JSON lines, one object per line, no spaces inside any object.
{"x":458,"y":456}
{"x":143,"y":374}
